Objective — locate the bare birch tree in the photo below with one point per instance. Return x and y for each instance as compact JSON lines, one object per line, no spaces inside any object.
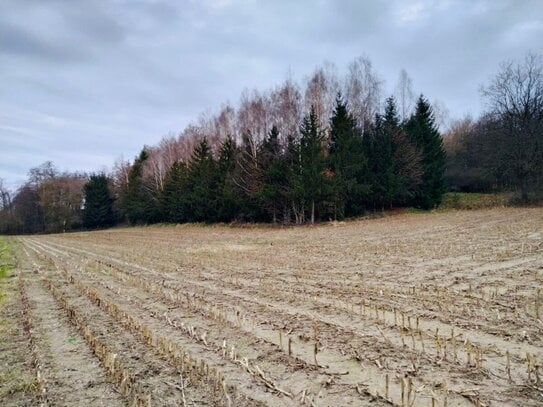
{"x":404,"y":95}
{"x":362,"y":90}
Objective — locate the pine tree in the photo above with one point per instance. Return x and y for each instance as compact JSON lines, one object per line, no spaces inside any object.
{"x":98,"y":211}
{"x":313,"y":162}
{"x":348,"y":163}
{"x":424,"y":133}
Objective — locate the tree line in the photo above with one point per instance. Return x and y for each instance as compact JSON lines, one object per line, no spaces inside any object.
{"x":266,"y":161}
{"x":503,"y":149}
{"x":309,"y":176}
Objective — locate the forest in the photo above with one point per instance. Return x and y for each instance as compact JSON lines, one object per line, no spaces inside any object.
{"x":330,"y":149}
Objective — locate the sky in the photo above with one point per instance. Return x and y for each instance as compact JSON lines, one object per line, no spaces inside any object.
{"x":85,"y":82}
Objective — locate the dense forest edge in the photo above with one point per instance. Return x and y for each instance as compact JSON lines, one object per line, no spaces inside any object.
{"x":335,"y":150}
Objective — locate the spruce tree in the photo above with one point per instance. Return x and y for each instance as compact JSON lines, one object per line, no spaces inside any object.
{"x":391,"y":126}
{"x":369,"y":142}
{"x":313,"y":162}
{"x":423,"y":132}
{"x":173,"y":199}
{"x":272,"y":194}
{"x":138,"y":203}
{"x":98,"y":211}
{"x":202,"y":185}
{"x":348,"y":163}
{"x":294,"y":190}
{"x":249,"y":178}
{"x":228,"y":201}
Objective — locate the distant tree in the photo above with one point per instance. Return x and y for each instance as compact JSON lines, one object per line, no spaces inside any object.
{"x":404,"y":174}
{"x":472,"y":165}
{"x":61,"y":199}
{"x":174,"y":197}
{"x":294,"y":194}
{"x":274,"y":167}
{"x":41,"y":173}
{"x":362,"y":90}
{"x":286,"y":109}
{"x":320,"y":92}
{"x":515,"y":99}
{"x":137,"y":203}
{"x":313,"y":162}
{"x":98,"y":211}
{"x":228,"y":204}
{"x":202,"y":185}
{"x":6,"y":210}
{"x":379,"y":144}
{"x":249,"y":178}
{"x":372,"y":131}
{"x":348,"y":163}
{"x":119,"y":185}
{"x":423,"y":132}
{"x":404,"y":94}
{"x":27,"y":210}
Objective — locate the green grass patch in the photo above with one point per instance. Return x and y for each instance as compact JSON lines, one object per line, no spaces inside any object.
{"x":5,"y":257}
{"x":15,"y":381}
{"x":6,"y":264}
{"x":473,"y":200}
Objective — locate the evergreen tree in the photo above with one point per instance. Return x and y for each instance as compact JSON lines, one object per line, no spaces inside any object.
{"x":424,"y":133}
{"x":202,"y":185}
{"x":390,"y":127}
{"x":369,"y":138}
{"x":313,"y":162}
{"x":138,"y":203}
{"x":173,"y":199}
{"x":228,"y":205}
{"x":394,"y":161}
{"x":98,"y":210}
{"x":249,"y":179}
{"x":348,"y":163}
{"x":294,"y":190}
{"x":272,"y":195}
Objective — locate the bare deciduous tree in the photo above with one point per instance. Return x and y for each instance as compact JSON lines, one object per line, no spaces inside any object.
{"x":286,"y":104}
{"x":405,"y":95}
{"x":5,"y":197}
{"x":441,"y":114}
{"x":253,"y":119}
{"x":362,"y":90}
{"x":321,"y":92}
{"x":515,"y":99}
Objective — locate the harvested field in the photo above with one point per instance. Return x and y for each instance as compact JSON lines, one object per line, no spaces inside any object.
{"x":438,"y":309}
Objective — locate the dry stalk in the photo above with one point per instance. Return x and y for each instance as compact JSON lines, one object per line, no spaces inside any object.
{"x":508,"y":365}
{"x":36,"y":358}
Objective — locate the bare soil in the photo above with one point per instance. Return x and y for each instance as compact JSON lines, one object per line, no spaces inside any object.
{"x":436,"y":309}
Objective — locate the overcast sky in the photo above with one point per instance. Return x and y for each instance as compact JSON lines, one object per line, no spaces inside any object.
{"x":84,"y":82}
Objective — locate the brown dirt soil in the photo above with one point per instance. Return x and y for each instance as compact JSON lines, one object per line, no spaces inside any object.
{"x":415,"y":309}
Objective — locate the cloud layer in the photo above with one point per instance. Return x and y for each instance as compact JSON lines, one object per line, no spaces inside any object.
{"x":83,"y":82}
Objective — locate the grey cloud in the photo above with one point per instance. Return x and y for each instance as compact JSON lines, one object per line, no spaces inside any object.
{"x":109,"y":76}
{"x":17,"y":41}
